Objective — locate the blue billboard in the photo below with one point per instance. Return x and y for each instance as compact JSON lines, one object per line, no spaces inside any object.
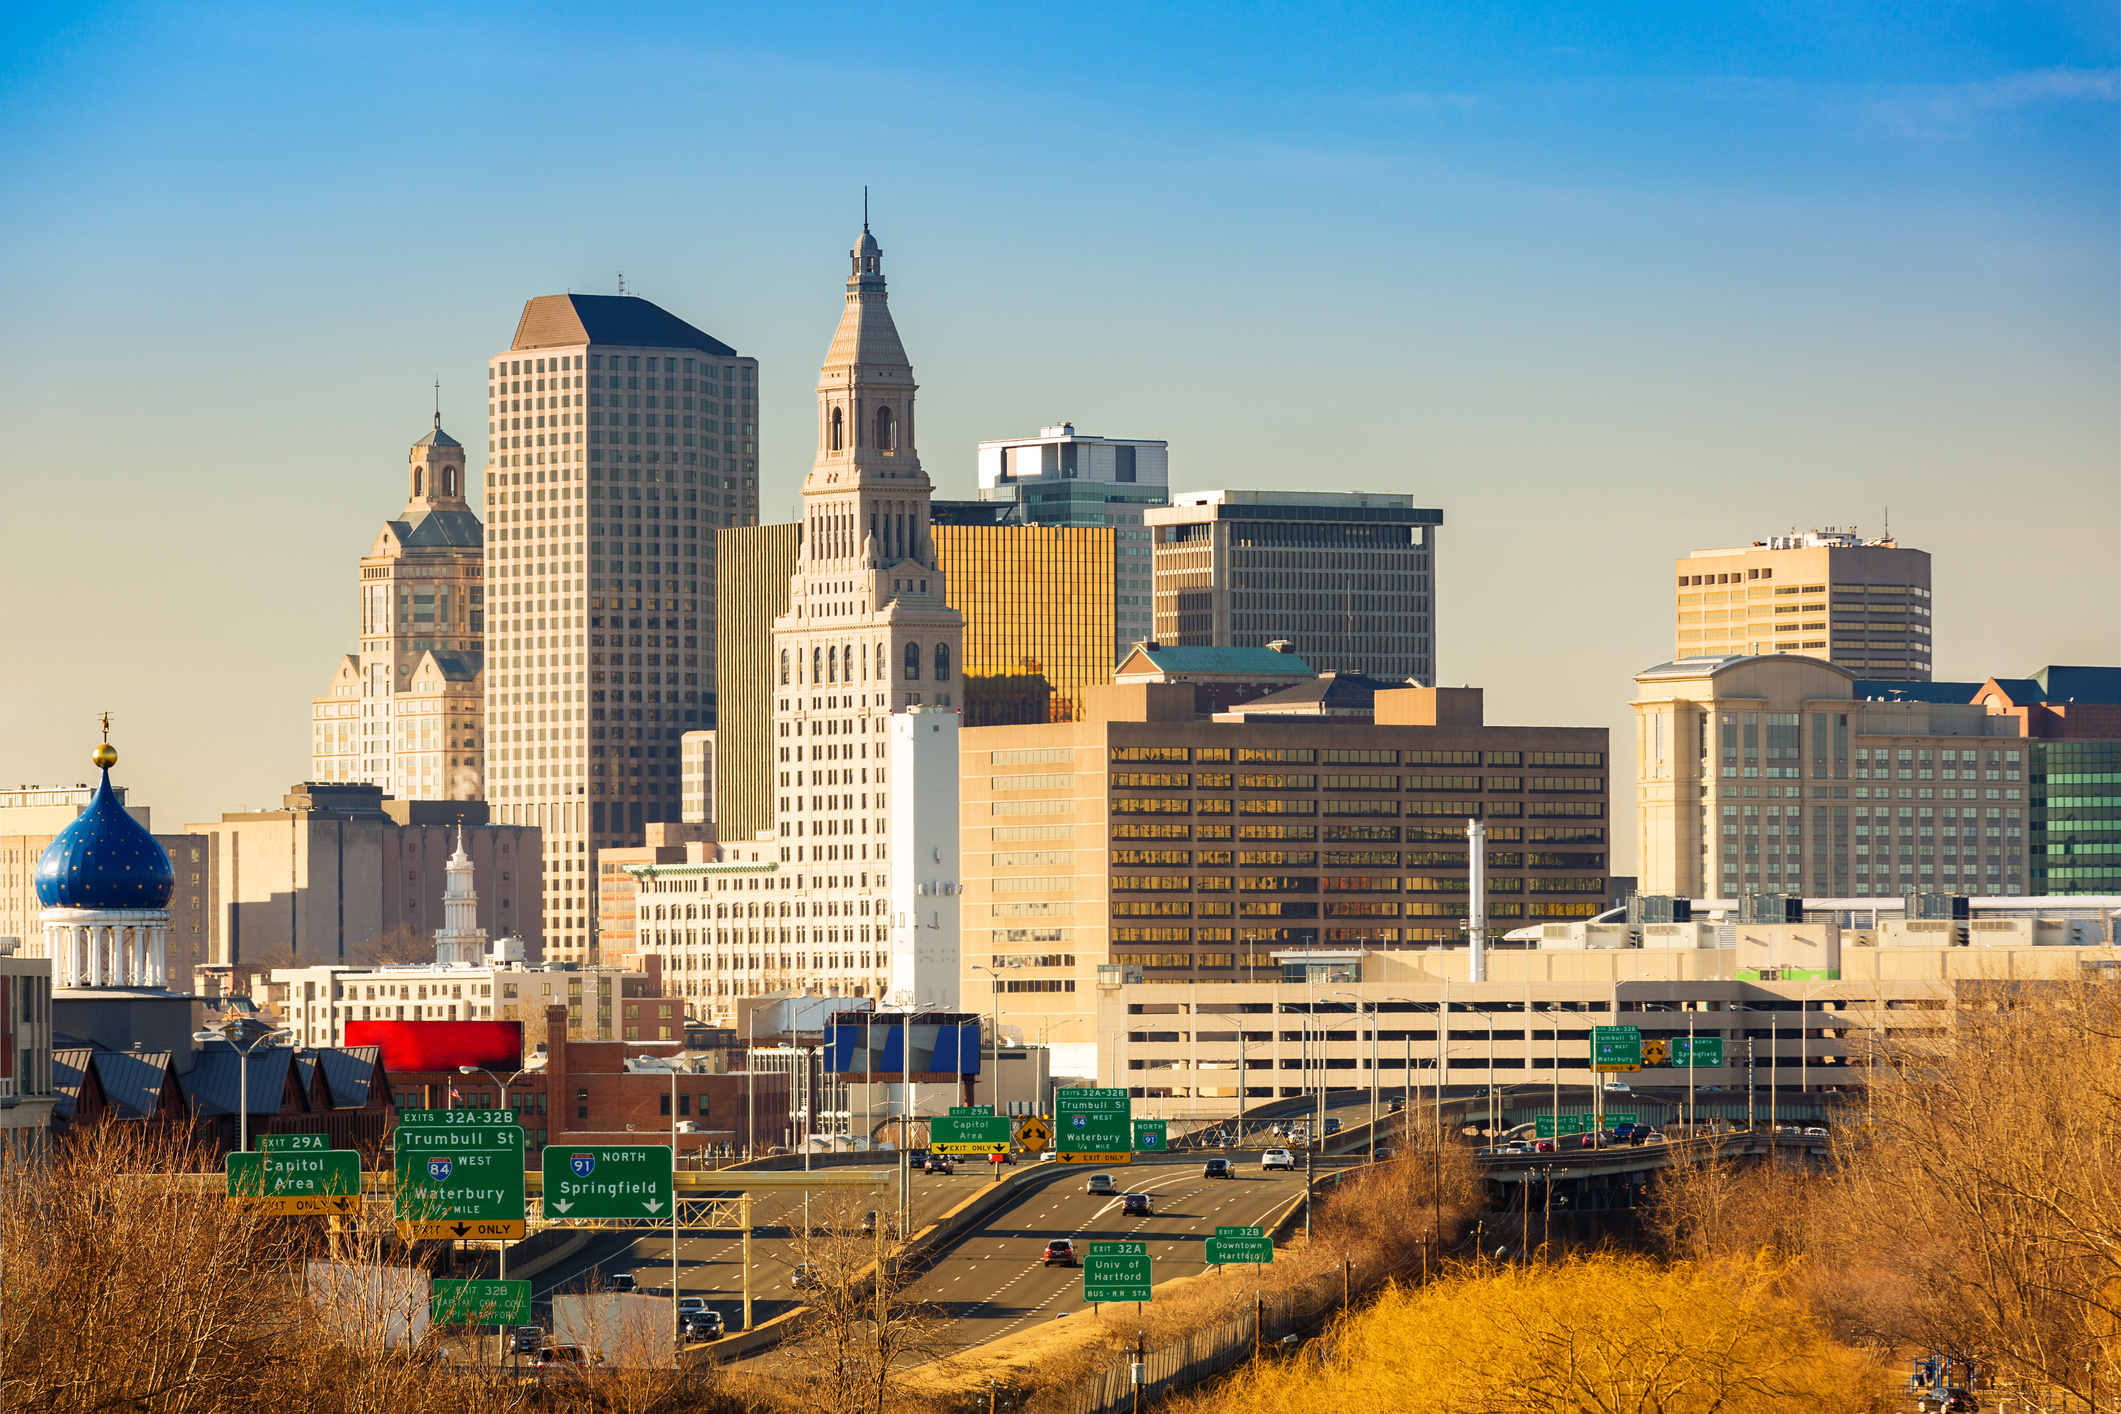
{"x":873,"y":1044}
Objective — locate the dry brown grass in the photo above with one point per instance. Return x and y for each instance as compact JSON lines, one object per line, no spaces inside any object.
{"x":1980,"y":1214}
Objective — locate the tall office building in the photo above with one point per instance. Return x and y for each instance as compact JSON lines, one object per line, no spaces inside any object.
{"x":1038,"y":627}
{"x":619,"y":433}
{"x":1861,"y":604}
{"x":1782,"y":774}
{"x":407,"y":712}
{"x":752,"y":566}
{"x":868,"y":632}
{"x":1065,"y":477}
{"x":1348,"y":579}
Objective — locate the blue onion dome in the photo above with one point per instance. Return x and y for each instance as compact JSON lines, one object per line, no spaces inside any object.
{"x":105,"y":859}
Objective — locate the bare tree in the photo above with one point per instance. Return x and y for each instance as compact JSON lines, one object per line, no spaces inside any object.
{"x":861,"y":1330}
{"x":399,"y":946}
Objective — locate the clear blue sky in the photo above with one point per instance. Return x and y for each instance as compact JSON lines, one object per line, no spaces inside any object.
{"x":1604,"y":285}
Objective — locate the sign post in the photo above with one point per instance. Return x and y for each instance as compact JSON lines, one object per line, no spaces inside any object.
{"x":1093,"y":1126}
{"x":607,"y":1181}
{"x":1240,"y":1244}
{"x":460,"y":1174}
{"x":1117,"y":1271}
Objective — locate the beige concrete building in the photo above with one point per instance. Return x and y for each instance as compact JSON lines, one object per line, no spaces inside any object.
{"x":32,"y":816}
{"x":1862,"y":604}
{"x":1347,"y":579}
{"x":868,"y":634}
{"x":622,"y":438}
{"x":1150,"y":842}
{"x":1336,"y":1022}
{"x":339,"y":866}
{"x":1767,"y":775}
{"x":405,"y":713}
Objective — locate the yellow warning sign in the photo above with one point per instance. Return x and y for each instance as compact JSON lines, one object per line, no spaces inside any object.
{"x":1654,"y":1053}
{"x":459,"y":1228}
{"x":1033,"y":1135}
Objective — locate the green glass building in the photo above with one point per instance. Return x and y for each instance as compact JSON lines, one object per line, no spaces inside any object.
{"x":2075,"y":826}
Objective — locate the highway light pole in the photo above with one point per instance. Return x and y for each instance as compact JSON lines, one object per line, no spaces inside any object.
{"x":675,"y":1338}
{"x":996,"y":1034}
{"x":1359,"y":1000}
{"x":242,"y":1075}
{"x":502,"y":1247}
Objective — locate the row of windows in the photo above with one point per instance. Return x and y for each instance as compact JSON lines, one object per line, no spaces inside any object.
{"x":1367,"y":834}
{"x":826,"y":664}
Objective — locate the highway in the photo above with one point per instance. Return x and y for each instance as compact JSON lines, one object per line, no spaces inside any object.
{"x":993,"y":1282}
{"x":710,"y":1263}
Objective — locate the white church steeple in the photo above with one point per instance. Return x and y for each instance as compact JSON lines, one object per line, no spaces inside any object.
{"x":460,"y":941}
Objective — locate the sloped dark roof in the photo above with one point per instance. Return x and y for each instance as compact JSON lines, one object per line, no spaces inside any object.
{"x":552,"y":321}
{"x":132,"y":1081}
{"x":350,"y":1071}
{"x":214,"y":1085}
{"x":456,"y":666}
{"x":2064,"y":684}
{"x":70,"y":1075}
{"x":1328,"y":693}
{"x":440,"y":530}
{"x":438,"y":438}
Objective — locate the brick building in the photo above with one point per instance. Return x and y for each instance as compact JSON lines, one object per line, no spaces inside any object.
{"x":585,"y":1094}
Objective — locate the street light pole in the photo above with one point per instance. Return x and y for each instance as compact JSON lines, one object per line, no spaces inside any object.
{"x":501,"y":1259}
{"x":995,"y":981}
{"x":674,"y":1337}
{"x":243,"y":1054}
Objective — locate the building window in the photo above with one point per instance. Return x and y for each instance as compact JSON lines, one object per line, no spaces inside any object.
{"x":886,"y":430}
{"x":913,"y":662}
{"x":836,"y":429}
{"x":942,"y":662}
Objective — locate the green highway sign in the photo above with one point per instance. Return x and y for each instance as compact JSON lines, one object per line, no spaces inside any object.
{"x":1707,"y":1052}
{"x":1616,"y":1048}
{"x":970,"y":1111}
{"x":1240,"y":1244}
{"x":1117,"y":1271}
{"x":969,"y":1134}
{"x":456,"y":1119}
{"x":1149,"y":1136}
{"x":608,"y":1181}
{"x":1092,"y":1126}
{"x":459,"y":1181}
{"x":295,"y":1144}
{"x":1576,"y":1124}
{"x":479,"y":1303}
{"x":296,"y":1183}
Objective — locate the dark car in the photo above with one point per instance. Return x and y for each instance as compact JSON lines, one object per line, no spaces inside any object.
{"x":700,"y":1325}
{"x":936,"y":1163}
{"x":1397,"y":1106}
{"x":1332,"y":1125}
{"x":806,"y":1275}
{"x":1060,"y":1250}
{"x":1135,"y":1205}
{"x":1001,"y":1158}
{"x":1217,"y":1168}
{"x":622,"y":1281}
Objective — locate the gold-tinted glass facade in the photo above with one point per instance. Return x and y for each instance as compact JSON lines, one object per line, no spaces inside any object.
{"x":752,"y":568}
{"x":1037,"y":602}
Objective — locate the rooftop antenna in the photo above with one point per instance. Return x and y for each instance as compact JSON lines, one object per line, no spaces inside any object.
{"x":438,"y":404}
{"x":865,"y":206}
{"x":622,"y":282}
{"x":1888,"y":523}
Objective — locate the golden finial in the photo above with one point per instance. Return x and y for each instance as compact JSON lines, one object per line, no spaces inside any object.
{"x":106,"y":755}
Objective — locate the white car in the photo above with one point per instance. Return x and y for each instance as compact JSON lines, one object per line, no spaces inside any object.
{"x":1619,"y":1087}
{"x":1278,"y":1159}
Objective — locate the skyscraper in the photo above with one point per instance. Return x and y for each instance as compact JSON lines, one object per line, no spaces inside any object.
{"x":1038,"y":623}
{"x":1348,"y":579}
{"x":406,"y":712}
{"x":753,"y":565}
{"x":619,"y":432}
{"x":1772,"y":596}
{"x":868,"y":632}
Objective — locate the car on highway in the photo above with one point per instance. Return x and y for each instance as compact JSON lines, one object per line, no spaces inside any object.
{"x":1516,"y":1146}
{"x":1384,"y":1154}
{"x":805,"y":1275}
{"x":558,"y":1359}
{"x":1815,"y":1131}
{"x":622,"y":1281}
{"x":1101,"y":1183}
{"x":1135,"y":1205}
{"x":700,"y":1325}
{"x":1619,"y":1087}
{"x":1332,"y":1125}
{"x":1217,"y":1168}
{"x":1060,"y":1250}
{"x":1002,"y":1158}
{"x":687,"y":1305}
{"x":936,"y":1163}
{"x":1543,"y":1146}
{"x":1277,"y":1159}
{"x":1398,"y":1105}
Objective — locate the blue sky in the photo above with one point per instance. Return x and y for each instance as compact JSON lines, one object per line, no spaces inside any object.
{"x":1604,"y":284}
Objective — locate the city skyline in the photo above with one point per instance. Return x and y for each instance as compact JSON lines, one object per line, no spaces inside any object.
{"x":1940,"y":245}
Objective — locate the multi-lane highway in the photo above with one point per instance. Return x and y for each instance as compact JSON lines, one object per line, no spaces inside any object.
{"x":993,"y":1282}
{"x":710,"y":1263}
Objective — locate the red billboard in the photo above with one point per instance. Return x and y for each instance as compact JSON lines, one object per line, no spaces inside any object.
{"x":441,"y":1045}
